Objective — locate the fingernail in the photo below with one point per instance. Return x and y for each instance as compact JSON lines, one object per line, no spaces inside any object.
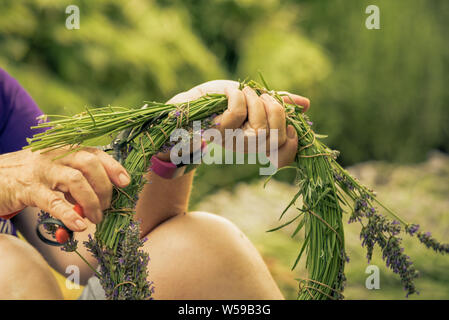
{"x":80,"y":224}
{"x":291,"y":132}
{"x":266,"y":97}
{"x":124,"y":179}
{"x":247,"y":89}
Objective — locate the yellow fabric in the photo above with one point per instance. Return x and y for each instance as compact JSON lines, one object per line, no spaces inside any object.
{"x":69,"y":294}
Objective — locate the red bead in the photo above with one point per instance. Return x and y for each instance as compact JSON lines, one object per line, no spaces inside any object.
{"x":78,"y":209}
{"x":61,"y":235}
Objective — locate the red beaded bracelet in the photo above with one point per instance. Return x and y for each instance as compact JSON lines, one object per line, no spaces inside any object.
{"x":9,"y":216}
{"x":169,"y":170}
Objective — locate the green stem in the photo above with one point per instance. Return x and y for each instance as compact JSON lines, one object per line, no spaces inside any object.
{"x":405,"y":223}
{"x":87,"y":262}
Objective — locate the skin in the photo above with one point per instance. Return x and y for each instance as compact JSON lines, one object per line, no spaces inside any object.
{"x":35,"y":179}
{"x":194,"y":255}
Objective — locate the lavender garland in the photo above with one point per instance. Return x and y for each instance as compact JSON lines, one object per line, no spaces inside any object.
{"x":327,"y":190}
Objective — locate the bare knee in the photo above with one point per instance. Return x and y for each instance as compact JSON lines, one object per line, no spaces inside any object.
{"x":24,"y":274}
{"x":204,"y":256}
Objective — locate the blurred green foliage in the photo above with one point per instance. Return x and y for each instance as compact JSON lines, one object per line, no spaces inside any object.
{"x":387,"y":94}
{"x":379,"y":94}
{"x":124,"y":53}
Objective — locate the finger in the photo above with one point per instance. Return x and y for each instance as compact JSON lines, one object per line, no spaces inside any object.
{"x":54,"y":203}
{"x":295,"y":99}
{"x":214,"y":86}
{"x":185,"y":96}
{"x":257,"y":116}
{"x":275,"y":117}
{"x":67,"y":179}
{"x":92,"y":168}
{"x":287,"y":152}
{"x":235,"y":115}
{"x":69,"y":198}
{"x":115,"y":171}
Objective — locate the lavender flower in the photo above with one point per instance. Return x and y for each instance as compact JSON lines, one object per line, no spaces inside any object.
{"x":70,"y":246}
{"x":341,"y":278}
{"x":400,"y":263}
{"x":50,"y":228}
{"x":338,"y":177}
{"x":384,"y":233}
{"x":124,"y":274}
{"x":429,"y":242}
{"x":412,"y":229}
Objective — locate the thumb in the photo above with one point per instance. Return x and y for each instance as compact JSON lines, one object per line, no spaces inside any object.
{"x":287,"y":153}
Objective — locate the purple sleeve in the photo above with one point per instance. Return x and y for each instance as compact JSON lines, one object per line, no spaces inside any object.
{"x":18,"y":113}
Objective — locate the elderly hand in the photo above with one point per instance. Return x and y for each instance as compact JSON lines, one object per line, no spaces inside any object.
{"x":36,"y":179}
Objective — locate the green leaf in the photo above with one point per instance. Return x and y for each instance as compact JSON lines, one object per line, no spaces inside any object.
{"x":285,"y":224}
{"x":263,"y":80}
{"x":322,"y":195}
{"x":306,"y":241}
{"x":291,"y":203}
{"x":278,"y":170}
{"x":299,"y":227}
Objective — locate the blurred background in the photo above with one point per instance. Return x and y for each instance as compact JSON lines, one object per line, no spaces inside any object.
{"x":381,"y":95}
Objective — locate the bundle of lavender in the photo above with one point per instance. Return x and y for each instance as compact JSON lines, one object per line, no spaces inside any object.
{"x":326,"y":189}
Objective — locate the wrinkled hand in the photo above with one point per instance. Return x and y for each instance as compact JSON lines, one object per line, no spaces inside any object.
{"x":251,"y":113}
{"x":36,"y":179}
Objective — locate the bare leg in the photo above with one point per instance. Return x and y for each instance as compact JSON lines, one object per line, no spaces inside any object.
{"x":203,"y":256}
{"x":193,"y":256}
{"x":24,"y":274}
